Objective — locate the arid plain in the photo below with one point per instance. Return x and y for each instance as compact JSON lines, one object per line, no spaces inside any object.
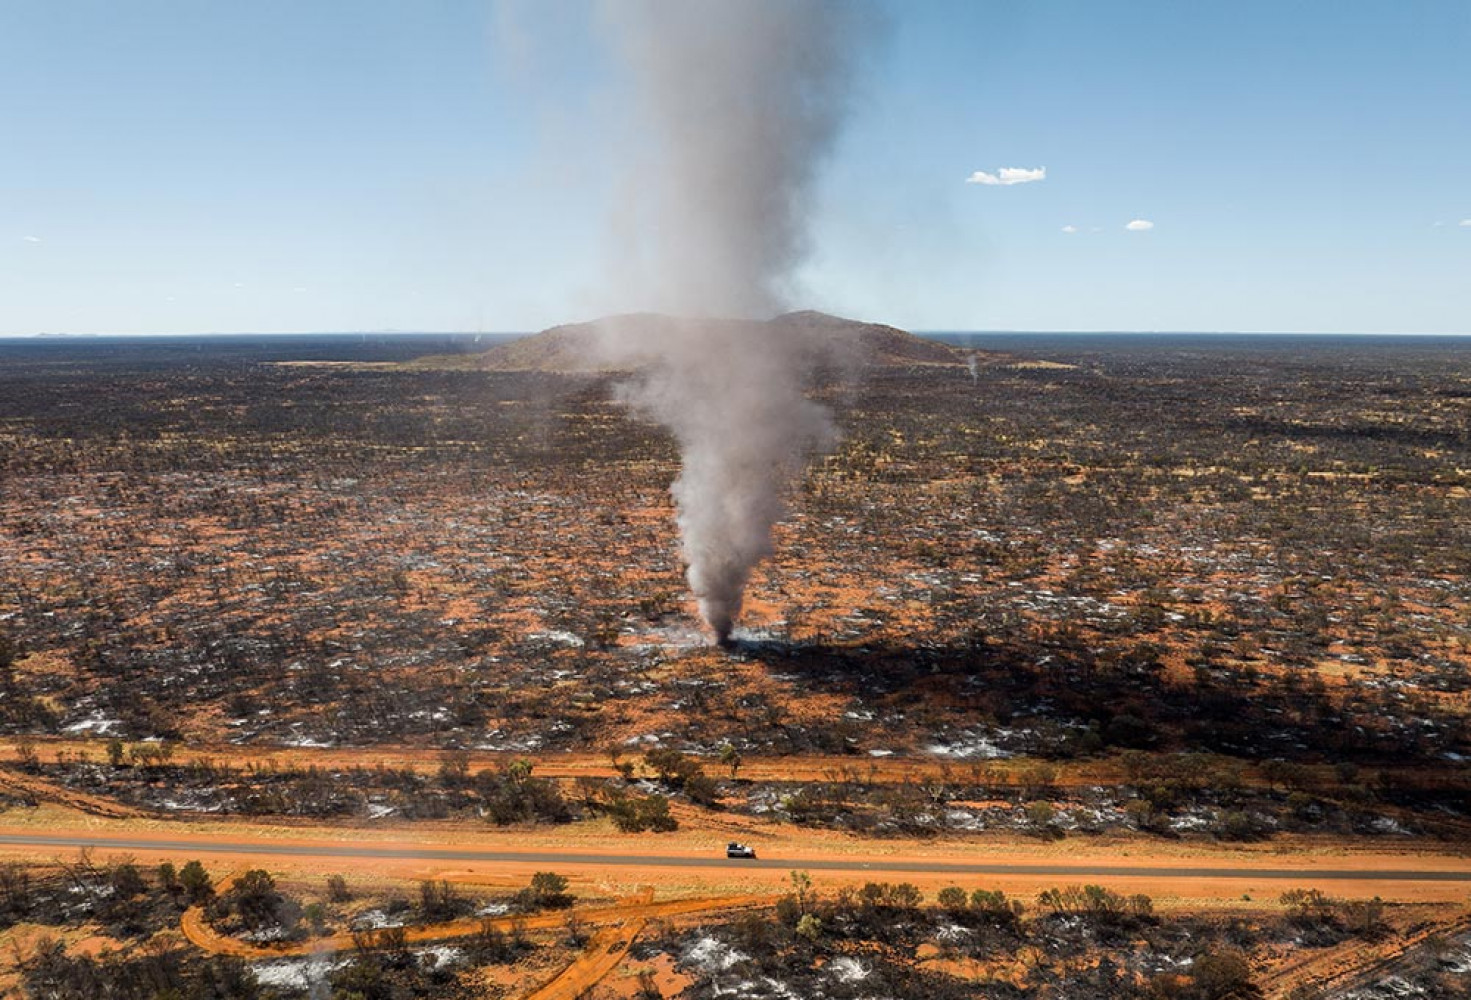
{"x":1089,"y":668}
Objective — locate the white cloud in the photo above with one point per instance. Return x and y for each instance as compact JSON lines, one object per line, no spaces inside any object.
{"x":31,"y":239}
{"x":1139,"y":226}
{"x":1007,"y":176}
{"x":1070,"y":229}
{"x":1465,"y":222}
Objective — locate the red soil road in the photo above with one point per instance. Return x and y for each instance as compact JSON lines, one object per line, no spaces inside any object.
{"x":1218,"y":874}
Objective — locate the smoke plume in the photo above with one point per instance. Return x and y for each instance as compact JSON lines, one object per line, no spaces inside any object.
{"x":738,"y":104}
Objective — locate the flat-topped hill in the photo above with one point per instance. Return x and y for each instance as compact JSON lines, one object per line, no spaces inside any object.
{"x":580,"y":347}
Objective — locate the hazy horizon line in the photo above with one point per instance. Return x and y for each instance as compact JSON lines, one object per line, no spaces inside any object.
{"x":918,"y":332}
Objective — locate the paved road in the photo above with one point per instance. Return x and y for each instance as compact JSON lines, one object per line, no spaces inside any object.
{"x":676,"y":861}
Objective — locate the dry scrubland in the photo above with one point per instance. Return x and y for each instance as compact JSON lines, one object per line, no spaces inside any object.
{"x":1171,"y":597}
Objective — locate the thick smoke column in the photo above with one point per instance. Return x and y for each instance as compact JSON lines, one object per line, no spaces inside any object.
{"x":740,"y":102}
{"x":733,"y":397}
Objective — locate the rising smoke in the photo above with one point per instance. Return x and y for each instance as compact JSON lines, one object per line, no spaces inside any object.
{"x":739,"y":102}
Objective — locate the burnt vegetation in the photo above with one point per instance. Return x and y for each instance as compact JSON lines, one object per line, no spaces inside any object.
{"x":885,"y":939}
{"x":1244,"y":553}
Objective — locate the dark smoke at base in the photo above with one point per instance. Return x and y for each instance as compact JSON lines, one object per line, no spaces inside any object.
{"x":739,"y":103}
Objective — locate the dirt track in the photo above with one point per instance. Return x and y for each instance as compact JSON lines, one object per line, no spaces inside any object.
{"x":30,"y":786}
{"x":878,"y":770}
{"x":1352,"y":963}
{"x":810,"y":767}
{"x":204,"y":936}
{"x":601,"y":956}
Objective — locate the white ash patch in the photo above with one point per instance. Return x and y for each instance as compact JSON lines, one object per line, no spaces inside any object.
{"x":969,"y":745}
{"x":1459,"y":961}
{"x":764,"y":989}
{"x":758,"y":634}
{"x":1193,"y":819}
{"x":846,"y":969}
{"x":558,"y":636}
{"x":444,"y":955}
{"x":1155,"y":963}
{"x":305,"y":741}
{"x":1089,"y":817}
{"x":671,"y":638}
{"x":297,"y":973}
{"x":1393,"y":988}
{"x":265,"y":935}
{"x":1388,"y":825}
{"x":781,"y":989}
{"x":762,"y":801}
{"x":97,"y":723}
{"x":199,"y":802}
{"x":511,"y":744}
{"x":963,"y":819}
{"x":374,"y":920}
{"x":952,"y":932}
{"x":710,"y":954}
{"x":652,"y":739}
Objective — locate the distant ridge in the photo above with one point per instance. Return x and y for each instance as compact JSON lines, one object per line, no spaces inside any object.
{"x":573,"y":347}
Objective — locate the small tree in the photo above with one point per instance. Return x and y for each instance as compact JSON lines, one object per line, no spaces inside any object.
{"x":255,"y":898}
{"x":25,"y":752}
{"x":196,"y":883}
{"x":437,"y":901}
{"x":1041,"y":815}
{"x":996,"y":908}
{"x":1224,"y":975}
{"x":316,"y":916}
{"x":731,"y":758}
{"x":126,"y":880}
{"x":490,"y":945}
{"x":454,"y":769}
{"x":905,"y":896}
{"x":952,"y":898}
{"x":548,"y":890}
{"x":15,"y":890}
{"x":802,"y":890}
{"x":623,"y":767}
{"x":1364,"y":917}
{"x":518,"y":772}
{"x":648,"y":986}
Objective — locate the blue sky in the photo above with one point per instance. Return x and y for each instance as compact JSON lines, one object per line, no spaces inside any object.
{"x":190,"y":166}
